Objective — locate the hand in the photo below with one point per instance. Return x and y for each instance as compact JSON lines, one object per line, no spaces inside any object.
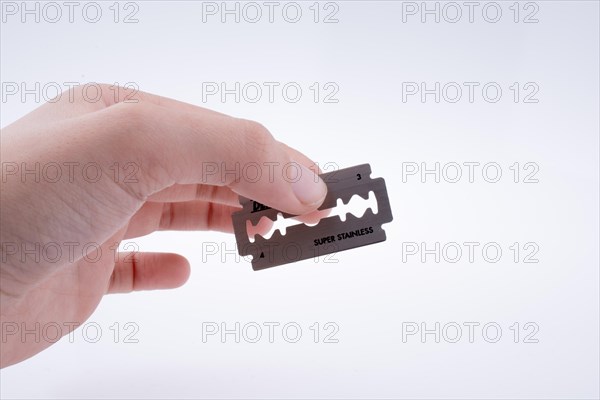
{"x":79,"y":176}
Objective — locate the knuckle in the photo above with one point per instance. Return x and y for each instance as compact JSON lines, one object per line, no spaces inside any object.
{"x":257,"y":138}
{"x":133,"y":117}
{"x":91,"y":92}
{"x":99,"y":94}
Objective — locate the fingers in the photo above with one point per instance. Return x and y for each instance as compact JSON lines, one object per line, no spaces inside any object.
{"x":148,"y":271}
{"x":177,"y":146}
{"x":177,"y":143}
{"x":90,"y":97}
{"x":180,"y":216}
{"x":219,"y":194}
{"x":213,"y":194}
{"x":132,"y":95}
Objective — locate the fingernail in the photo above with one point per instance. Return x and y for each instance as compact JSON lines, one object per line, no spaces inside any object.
{"x":309,"y":188}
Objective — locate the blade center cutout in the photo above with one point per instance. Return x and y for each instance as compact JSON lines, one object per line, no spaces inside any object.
{"x":357,"y":206}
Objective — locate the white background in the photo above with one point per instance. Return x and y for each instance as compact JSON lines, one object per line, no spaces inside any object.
{"x":370,"y":293}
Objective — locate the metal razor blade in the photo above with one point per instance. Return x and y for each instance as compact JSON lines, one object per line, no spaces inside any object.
{"x":329,"y":235}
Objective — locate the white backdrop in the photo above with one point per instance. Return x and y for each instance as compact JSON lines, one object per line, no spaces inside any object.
{"x":528,"y":319}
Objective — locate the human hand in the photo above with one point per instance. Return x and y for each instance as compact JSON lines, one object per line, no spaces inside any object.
{"x":128,"y":166}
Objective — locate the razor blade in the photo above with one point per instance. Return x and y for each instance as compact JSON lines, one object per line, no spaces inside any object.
{"x":330,"y":235}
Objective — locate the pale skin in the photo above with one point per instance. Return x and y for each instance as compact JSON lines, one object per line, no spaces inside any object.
{"x":167,"y":145}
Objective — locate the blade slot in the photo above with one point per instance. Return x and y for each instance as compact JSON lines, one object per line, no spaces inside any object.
{"x":357,"y":206}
